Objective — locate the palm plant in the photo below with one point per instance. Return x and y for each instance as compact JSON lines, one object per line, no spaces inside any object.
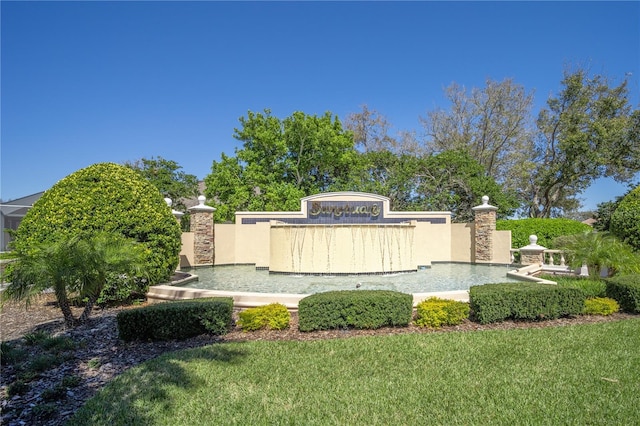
{"x":599,"y":250}
{"x":76,"y":266}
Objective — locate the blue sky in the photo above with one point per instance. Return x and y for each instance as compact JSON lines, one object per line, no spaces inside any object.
{"x":88,"y":82}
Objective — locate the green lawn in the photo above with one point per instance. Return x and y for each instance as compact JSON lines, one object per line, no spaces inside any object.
{"x":576,"y":375}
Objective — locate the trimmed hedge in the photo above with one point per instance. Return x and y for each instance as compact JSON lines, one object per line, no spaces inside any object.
{"x":625,"y":290}
{"x":107,"y":197}
{"x":354,"y":308}
{"x":435,"y":312}
{"x":625,"y":220}
{"x":545,"y":229}
{"x":524,"y":301}
{"x":274,"y":316}
{"x":176,"y":320}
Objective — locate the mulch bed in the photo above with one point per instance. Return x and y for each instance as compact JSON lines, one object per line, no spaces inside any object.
{"x":102,"y":356}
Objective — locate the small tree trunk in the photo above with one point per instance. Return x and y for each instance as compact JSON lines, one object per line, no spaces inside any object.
{"x":63,"y":302}
{"x":87,"y":309}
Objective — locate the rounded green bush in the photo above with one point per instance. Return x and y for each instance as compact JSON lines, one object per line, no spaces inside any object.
{"x":112,"y":198}
{"x":274,"y":316}
{"x":435,"y":312}
{"x":625,"y":221}
{"x":545,"y":229}
{"x":600,"y":306}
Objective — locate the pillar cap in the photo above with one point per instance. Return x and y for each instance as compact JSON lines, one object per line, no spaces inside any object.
{"x":201,"y":207}
{"x":485,"y":206}
{"x":533,"y":244}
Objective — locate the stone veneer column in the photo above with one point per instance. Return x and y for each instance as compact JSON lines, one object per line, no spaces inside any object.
{"x":202,"y":228}
{"x":532,"y":254}
{"x":485,"y":225}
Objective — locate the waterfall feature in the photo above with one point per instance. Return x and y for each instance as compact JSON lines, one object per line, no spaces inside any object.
{"x":342,"y":249}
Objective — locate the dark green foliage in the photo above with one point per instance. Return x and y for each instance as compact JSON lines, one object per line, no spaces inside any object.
{"x":17,"y":388}
{"x":58,"y":344}
{"x":44,"y":362}
{"x":35,"y":338}
{"x":625,"y":221}
{"x":600,"y":306}
{"x":592,"y":287}
{"x":545,"y":229}
{"x":71,"y":381}
{"x":10,"y":355}
{"x":274,"y":316}
{"x":626,"y":291}
{"x":45,"y":411}
{"x":55,"y":393}
{"x":111,"y":198}
{"x":435,"y":312}
{"x":365,"y":309}
{"x":176,"y":320}
{"x":524,"y":301}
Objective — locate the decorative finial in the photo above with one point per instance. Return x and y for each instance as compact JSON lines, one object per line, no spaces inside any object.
{"x":168,"y":201}
{"x":533,"y":240}
{"x":485,"y":200}
{"x":202,"y":199}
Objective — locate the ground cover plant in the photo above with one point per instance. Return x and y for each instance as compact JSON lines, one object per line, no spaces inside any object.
{"x":527,"y":376}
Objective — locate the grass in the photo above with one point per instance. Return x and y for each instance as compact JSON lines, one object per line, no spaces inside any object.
{"x":588,"y":374}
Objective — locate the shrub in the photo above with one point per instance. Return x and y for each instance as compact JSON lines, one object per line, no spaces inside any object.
{"x":17,"y":388}
{"x":58,"y":344}
{"x":10,"y":355}
{"x":274,"y":316}
{"x":35,"y":338}
{"x":71,"y":381}
{"x":600,"y":306}
{"x":435,"y":312}
{"x":625,"y":290}
{"x":599,"y":250}
{"x":176,"y":320}
{"x":545,"y":229}
{"x":524,"y":301}
{"x":354,"y":308}
{"x":592,"y":287}
{"x":44,"y":362}
{"x":625,"y":220}
{"x":55,"y":393}
{"x":114,"y":199}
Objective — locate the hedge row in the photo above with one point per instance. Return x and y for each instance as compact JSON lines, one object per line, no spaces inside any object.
{"x":354,"y":308}
{"x":626,"y":291}
{"x":176,"y":320}
{"x":524,"y":301}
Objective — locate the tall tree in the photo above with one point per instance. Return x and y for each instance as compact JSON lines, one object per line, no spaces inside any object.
{"x":167,"y":176}
{"x":491,"y":124}
{"x":587,"y":131}
{"x":453,"y":181}
{"x":280,"y":162}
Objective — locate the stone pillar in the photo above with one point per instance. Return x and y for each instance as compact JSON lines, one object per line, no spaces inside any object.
{"x":202,"y":228}
{"x":485,"y":225}
{"x":533,"y":254}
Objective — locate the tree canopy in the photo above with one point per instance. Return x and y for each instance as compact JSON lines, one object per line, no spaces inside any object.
{"x":281,"y":161}
{"x":486,"y":143}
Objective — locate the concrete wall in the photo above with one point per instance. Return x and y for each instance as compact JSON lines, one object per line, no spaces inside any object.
{"x":352,"y":232}
{"x":462,"y":240}
{"x":187,"y":258}
{"x":502,"y":247}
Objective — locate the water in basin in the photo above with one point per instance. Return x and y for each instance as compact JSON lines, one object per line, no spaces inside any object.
{"x":439,"y":277}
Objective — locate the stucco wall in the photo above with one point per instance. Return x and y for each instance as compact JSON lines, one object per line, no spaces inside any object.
{"x":461,"y":248}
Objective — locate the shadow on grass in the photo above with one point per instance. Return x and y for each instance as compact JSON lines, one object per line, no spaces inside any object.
{"x":122,"y":401}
